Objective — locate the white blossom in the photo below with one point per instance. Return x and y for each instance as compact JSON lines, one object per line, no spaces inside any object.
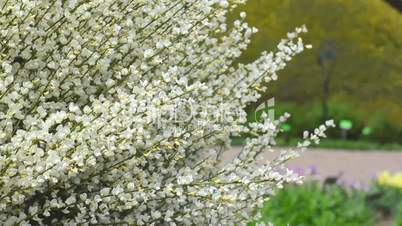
{"x":111,"y":113}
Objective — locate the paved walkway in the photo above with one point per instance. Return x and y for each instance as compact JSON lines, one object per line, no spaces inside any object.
{"x":356,"y":167}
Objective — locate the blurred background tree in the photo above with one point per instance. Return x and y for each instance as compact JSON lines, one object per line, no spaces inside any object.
{"x":353,"y":72}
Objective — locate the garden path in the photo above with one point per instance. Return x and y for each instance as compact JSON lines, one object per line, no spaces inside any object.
{"x":356,"y":168}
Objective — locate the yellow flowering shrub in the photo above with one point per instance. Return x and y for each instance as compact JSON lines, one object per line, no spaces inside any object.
{"x":388,"y":179}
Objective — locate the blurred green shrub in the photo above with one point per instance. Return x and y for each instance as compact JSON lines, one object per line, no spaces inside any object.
{"x":385,"y":196}
{"x":313,"y":205}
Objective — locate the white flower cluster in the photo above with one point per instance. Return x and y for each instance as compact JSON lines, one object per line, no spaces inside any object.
{"x":80,"y":85}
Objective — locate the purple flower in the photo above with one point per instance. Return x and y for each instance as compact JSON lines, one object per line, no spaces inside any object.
{"x":312,"y":170}
{"x":298,"y":170}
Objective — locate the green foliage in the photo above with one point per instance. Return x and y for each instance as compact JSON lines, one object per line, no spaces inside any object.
{"x":333,"y":205}
{"x":313,"y":205}
{"x":398,"y":216}
{"x":387,"y":200}
{"x":365,"y":77}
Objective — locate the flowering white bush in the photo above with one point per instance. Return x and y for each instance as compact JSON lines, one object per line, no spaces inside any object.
{"x":118,"y":112}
